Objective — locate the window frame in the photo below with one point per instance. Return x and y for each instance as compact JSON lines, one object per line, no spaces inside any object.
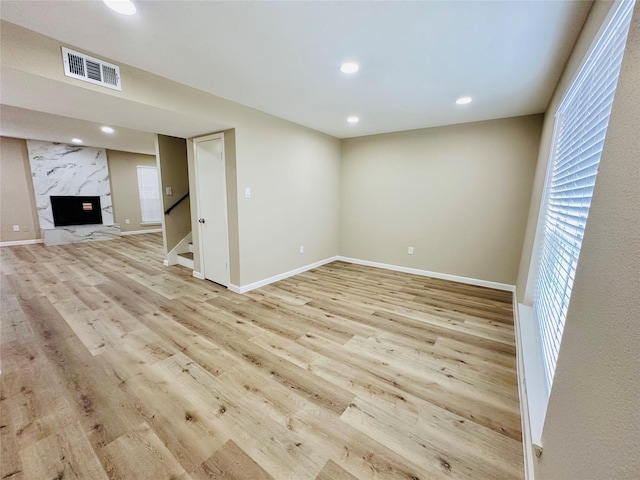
{"x":617,"y":22}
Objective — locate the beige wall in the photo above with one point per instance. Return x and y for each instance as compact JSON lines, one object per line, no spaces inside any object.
{"x":123,"y":175}
{"x":17,"y":200}
{"x":171,"y":153}
{"x":232,"y":205}
{"x":592,"y":429}
{"x":294,"y":176}
{"x":458,"y":194}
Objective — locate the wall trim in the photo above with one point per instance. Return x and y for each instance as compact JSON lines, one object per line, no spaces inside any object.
{"x":182,"y":246}
{"x":139,"y":232}
{"x":16,"y":243}
{"x":185,"y":262}
{"x":527,"y":444}
{"x":281,"y":276}
{"x":198,"y":275}
{"x":427,"y":273}
{"x":532,"y":384}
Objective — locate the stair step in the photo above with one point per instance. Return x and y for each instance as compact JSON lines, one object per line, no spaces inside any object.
{"x":188,"y":255}
{"x":191,"y":246}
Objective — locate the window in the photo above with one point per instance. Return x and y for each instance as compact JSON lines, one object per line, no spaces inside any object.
{"x":580,"y":130}
{"x":149,"y":189}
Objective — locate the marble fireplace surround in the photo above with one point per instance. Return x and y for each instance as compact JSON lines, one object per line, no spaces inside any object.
{"x":73,"y":170}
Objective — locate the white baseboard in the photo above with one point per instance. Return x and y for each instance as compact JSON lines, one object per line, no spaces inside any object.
{"x":182,"y":246}
{"x":20,"y":242}
{"x":198,"y":275}
{"x":426,"y":273}
{"x":397,"y":268}
{"x":281,"y":276}
{"x":139,"y":232}
{"x":185,"y":262}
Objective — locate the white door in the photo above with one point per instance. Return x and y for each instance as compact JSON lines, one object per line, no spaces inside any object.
{"x":212,"y":208}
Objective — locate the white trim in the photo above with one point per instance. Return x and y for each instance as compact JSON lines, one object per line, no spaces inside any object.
{"x":195,"y":142}
{"x":140,"y":232}
{"x":165,"y":262}
{"x":185,"y":262}
{"x":173,"y":257}
{"x":16,"y":243}
{"x":527,"y":447}
{"x":532,"y":384}
{"x":426,"y":273}
{"x":281,"y":276}
{"x":198,"y":275}
{"x":534,"y":372}
{"x":162,"y":219}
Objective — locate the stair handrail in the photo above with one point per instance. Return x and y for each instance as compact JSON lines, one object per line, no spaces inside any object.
{"x":168,"y":210}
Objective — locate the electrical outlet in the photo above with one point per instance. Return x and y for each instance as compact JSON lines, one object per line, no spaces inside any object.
{"x":301,"y":248}
{"x":16,"y":228}
{"x":410,"y":251}
{"x":127,"y":221}
{"x":168,"y":190}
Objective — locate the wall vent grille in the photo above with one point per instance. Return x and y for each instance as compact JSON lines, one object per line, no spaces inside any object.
{"x":89,"y":69}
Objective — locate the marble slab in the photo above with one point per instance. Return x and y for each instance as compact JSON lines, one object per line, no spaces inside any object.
{"x":80,"y":233}
{"x":60,"y":169}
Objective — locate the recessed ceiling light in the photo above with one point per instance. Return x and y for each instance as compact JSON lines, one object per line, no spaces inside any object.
{"x":349,"y":67}
{"x":353,"y":119}
{"x":107,"y":129}
{"x":76,"y":140}
{"x":125,"y":7}
{"x":464,"y":100}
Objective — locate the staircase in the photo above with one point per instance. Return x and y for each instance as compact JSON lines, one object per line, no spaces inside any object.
{"x":186,"y":258}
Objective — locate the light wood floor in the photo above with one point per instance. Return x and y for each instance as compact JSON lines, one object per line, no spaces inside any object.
{"x":114,"y":366}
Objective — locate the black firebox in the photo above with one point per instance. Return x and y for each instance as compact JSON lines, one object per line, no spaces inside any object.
{"x":76,"y":211}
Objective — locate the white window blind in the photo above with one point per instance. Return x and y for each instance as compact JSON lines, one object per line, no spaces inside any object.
{"x":580,"y":130}
{"x":149,"y":189}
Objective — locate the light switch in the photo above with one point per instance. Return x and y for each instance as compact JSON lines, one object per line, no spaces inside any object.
{"x":247,"y":192}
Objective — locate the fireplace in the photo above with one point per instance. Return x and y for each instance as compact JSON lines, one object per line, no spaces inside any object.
{"x":76,"y":210}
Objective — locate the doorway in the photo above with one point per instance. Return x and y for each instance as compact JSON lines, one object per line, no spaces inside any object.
{"x":211,"y":206}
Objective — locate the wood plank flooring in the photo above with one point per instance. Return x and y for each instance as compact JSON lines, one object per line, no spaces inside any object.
{"x":114,"y":366}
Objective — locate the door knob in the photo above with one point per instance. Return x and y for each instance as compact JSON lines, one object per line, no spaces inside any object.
{"x":201,"y":220}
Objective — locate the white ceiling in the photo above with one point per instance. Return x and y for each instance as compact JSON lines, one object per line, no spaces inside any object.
{"x":282,"y":57}
{"x":21,"y":123}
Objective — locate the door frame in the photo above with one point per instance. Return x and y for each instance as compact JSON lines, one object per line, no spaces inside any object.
{"x":196,"y":141}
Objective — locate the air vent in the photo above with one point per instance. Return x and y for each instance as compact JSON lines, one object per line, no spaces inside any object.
{"x":92,"y":70}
